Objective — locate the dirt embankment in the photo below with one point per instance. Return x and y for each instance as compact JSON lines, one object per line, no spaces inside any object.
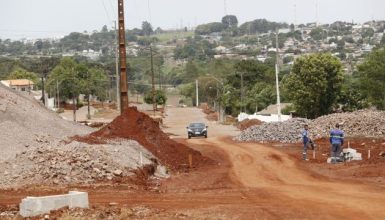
{"x":135,"y":125}
{"x":247,"y":123}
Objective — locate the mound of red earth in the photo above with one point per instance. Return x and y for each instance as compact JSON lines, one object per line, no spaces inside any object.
{"x":135,"y":125}
{"x":247,"y":123}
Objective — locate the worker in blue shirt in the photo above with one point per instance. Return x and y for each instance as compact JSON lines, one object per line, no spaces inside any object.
{"x":337,"y":141}
{"x":306,"y":141}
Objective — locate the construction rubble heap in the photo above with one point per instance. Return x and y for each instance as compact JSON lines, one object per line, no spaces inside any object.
{"x":74,"y":163}
{"x":24,"y":123}
{"x":38,"y":147}
{"x":355,"y":124}
{"x":285,"y":132}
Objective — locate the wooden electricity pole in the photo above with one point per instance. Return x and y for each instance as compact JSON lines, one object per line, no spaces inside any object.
{"x":154,"y":104}
{"x":122,"y":59}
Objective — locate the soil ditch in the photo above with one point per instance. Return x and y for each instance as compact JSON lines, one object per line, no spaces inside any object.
{"x":135,"y":125}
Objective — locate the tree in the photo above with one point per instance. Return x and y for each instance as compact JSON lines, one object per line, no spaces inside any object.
{"x":317,"y":33}
{"x":205,"y":29}
{"x":74,"y":79}
{"x":367,"y":32}
{"x":160,"y":97}
{"x":230,"y":21}
{"x":314,"y":84}
{"x":191,"y":71}
{"x":351,"y":97}
{"x":65,"y":74}
{"x":260,"y":26}
{"x":94,"y":82}
{"x":20,"y":73}
{"x":372,"y":78}
{"x":147,"y":28}
{"x":104,"y":29}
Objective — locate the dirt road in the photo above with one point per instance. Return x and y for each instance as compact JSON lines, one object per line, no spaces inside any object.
{"x":249,"y":181}
{"x":262,"y":168}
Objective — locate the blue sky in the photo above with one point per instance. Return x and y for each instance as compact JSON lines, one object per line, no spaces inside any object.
{"x":48,"y":18}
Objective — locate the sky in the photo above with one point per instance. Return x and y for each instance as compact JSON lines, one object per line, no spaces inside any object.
{"x":56,"y":18}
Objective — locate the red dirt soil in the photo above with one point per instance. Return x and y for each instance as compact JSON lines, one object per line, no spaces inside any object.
{"x":247,"y":123}
{"x":138,"y":126}
{"x":368,"y":169}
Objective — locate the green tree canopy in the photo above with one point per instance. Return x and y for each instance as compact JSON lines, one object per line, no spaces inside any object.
{"x":160,"y":97}
{"x":372,"y":78}
{"x":20,"y":73}
{"x":147,"y":28}
{"x":74,"y":79}
{"x":230,"y":21}
{"x":317,"y":33}
{"x":314,"y":84}
{"x":209,"y":28}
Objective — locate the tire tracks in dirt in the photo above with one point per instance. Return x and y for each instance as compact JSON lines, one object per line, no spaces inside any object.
{"x":260,"y":167}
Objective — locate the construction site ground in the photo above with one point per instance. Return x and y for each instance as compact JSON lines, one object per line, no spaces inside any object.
{"x":247,"y":181}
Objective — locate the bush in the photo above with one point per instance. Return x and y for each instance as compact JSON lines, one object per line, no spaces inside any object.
{"x":160,"y":97}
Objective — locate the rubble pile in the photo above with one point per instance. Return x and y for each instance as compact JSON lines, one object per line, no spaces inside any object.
{"x":74,"y":163}
{"x":23,"y":121}
{"x":363,"y":123}
{"x":284,"y":132}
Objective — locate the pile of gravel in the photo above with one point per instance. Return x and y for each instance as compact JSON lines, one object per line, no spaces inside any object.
{"x":363,"y":123}
{"x":74,"y":163}
{"x":24,"y":121}
{"x":284,"y":132}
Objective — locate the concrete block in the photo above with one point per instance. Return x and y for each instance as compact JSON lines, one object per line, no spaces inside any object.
{"x":78,"y":199}
{"x":349,"y":150}
{"x":32,"y":206}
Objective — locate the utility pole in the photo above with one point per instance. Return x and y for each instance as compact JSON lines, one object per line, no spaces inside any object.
{"x":242,"y":92}
{"x":276,"y":77}
{"x":122,"y":58}
{"x":117,"y":68}
{"x":42,"y":90}
{"x":58,"y":95}
{"x":160,"y":78}
{"x":152,"y":81}
{"x":197,"y":93}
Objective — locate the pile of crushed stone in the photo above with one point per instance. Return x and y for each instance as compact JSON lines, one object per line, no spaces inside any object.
{"x":362,"y":123}
{"x":284,"y":132}
{"x":77,"y":163}
{"x":25,"y":122}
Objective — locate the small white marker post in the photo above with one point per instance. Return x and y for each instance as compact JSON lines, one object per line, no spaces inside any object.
{"x":368,"y":154}
{"x":314,"y":154}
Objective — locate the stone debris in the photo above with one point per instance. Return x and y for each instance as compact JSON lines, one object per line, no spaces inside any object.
{"x":363,"y":123}
{"x":74,"y":163}
{"x":284,"y":132}
{"x":25,"y":123}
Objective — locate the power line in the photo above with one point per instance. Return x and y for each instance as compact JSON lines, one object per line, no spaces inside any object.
{"x":105,"y":10}
{"x":149,"y":11}
{"x":113,"y":9}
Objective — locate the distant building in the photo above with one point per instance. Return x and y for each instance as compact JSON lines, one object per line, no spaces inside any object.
{"x":19,"y":84}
